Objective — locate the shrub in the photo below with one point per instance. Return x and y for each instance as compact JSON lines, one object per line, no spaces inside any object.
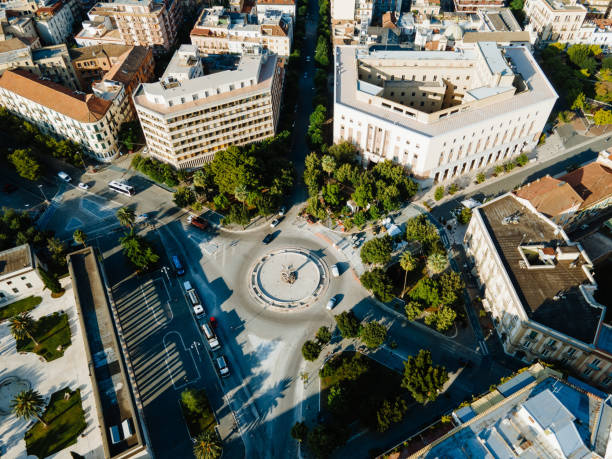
{"x":509,"y":166}
{"x":348,"y":324}
{"x":453,"y":189}
{"x":465,"y":216}
{"x":50,"y":281}
{"x":480,"y":177}
{"x":311,"y":350}
{"x":521,"y":160}
{"x":323,"y":335}
{"x":498,"y":170}
{"x":439,"y":193}
{"x":413,"y":310}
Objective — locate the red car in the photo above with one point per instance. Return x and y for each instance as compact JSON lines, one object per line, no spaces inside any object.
{"x":213,"y":322}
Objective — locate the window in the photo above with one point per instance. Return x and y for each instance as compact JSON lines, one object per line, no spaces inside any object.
{"x":587,"y":372}
{"x":606,"y":381}
{"x":526,"y":344}
{"x":596,"y":362}
{"x":571,"y":351}
{"x":533,"y":335}
{"x":15,"y":290}
{"x":551,"y":342}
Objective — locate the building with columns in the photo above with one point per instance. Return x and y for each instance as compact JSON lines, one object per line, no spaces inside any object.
{"x":441,"y":114}
{"x":539,"y":289}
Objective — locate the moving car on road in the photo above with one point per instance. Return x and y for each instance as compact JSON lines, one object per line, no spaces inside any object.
{"x":83,"y":186}
{"x":332,"y":302}
{"x":274,"y":222}
{"x":222,"y":366}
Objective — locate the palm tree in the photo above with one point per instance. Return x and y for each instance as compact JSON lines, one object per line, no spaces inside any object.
{"x":208,"y":445}
{"x":437,"y":262}
{"x":328,"y":164}
{"x":126,"y":216}
{"x":79,"y":236}
{"x":29,"y":404}
{"x":22,"y":325}
{"x":408,"y":263}
{"x":241,"y":193}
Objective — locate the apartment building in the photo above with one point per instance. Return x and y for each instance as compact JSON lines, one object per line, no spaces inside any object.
{"x":350,"y":20}
{"x":554,"y":20}
{"x":186,"y":120}
{"x":536,"y":414}
{"x":426,"y":7}
{"x":539,"y":289}
{"x":574,"y":198}
{"x":129,"y":65}
{"x":595,"y":32}
{"x":132,"y":22}
{"x":18,"y":27}
{"x":52,"y":62}
{"x":284,"y":6}
{"x":473,"y":6}
{"x":440,"y":114}
{"x":91,"y":120}
{"x":219,"y":31}
{"x":54,"y":23}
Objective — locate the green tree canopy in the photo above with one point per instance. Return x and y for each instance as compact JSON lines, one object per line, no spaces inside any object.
{"x":422,"y":378}
{"x":184,"y":196}
{"x":22,"y":326}
{"x":126,"y":216}
{"x":323,"y":335}
{"x":311,"y":350}
{"x":602,"y":117}
{"x":422,"y":230}
{"x":299,"y":431}
{"x":29,"y":404}
{"x":443,"y":318}
{"x":413,"y":310}
{"x":331,"y":194}
{"x":328,"y":164}
{"x":379,"y":283}
{"x":377,"y":250}
{"x":437,"y":262}
{"x":207,"y":445}
{"x":195,"y":400}
{"x":343,"y":152}
{"x":348,"y":324}
{"x":390,"y":413}
{"x":373,"y":334}
{"x":138,"y":251}
{"x":25,"y":163}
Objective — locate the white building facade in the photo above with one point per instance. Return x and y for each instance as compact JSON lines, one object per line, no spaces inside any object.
{"x":555,"y":20}
{"x":440,"y":114}
{"x":54,"y":23}
{"x":93,"y":121}
{"x":18,"y":276}
{"x":186,"y":120}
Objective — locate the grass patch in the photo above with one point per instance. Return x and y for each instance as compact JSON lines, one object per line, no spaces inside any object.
{"x":200,"y":420}
{"x":66,"y":420}
{"x":50,"y":332}
{"x":26,"y":304}
{"x":365,"y":384}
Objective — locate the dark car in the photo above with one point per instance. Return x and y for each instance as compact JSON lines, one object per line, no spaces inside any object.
{"x":268,"y":238}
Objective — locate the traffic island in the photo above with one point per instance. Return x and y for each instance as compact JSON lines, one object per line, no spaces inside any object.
{"x":288,"y":279}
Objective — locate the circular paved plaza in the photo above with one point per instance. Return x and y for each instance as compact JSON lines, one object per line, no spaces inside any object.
{"x":9,"y":388}
{"x":288,"y":279}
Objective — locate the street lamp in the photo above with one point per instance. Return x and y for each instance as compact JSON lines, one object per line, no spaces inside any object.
{"x":40,"y":187}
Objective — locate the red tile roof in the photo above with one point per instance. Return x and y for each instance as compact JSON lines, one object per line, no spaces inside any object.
{"x":549,"y":196}
{"x":592,"y":182}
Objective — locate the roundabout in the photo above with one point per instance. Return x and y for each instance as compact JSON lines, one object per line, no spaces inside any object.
{"x":288,"y":279}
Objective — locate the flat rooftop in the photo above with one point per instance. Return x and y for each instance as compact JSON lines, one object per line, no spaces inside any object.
{"x":49,"y":51}
{"x":550,"y":295}
{"x":107,"y":371}
{"x":537,"y":88}
{"x":570,"y":413}
{"x":14,"y":260}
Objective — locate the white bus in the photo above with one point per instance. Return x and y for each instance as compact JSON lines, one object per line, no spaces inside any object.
{"x":123,"y":188}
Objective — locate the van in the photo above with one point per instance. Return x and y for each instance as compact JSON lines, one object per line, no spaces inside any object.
{"x":213,"y":342}
{"x":222,"y":366}
{"x":65,"y":177}
{"x":178,"y":267}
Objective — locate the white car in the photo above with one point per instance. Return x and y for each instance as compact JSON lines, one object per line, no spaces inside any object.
{"x":281,"y":211}
{"x":331,"y":303}
{"x":83,"y":186}
{"x":305,"y":75}
{"x":274,"y":222}
{"x":307,"y":58}
{"x":334,"y":270}
{"x":65,"y":177}
{"x":198,"y":310}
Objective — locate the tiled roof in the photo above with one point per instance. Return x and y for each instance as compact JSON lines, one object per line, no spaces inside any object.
{"x":12,"y":44}
{"x":91,"y":52}
{"x":592,"y":182}
{"x":549,"y":196}
{"x":78,"y":106}
{"x":129,"y":64}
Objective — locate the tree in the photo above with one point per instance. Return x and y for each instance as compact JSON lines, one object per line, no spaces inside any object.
{"x":450,"y":286}
{"x":241,"y":193}
{"x":126,"y":216}
{"x":337,"y":399}
{"x":439,"y":193}
{"x":442,"y":319}
{"x":347,"y":173}
{"x":379,"y":283}
{"x":579,"y":101}
{"x":422,"y":378}
{"x":437,"y":262}
{"x":516,"y":6}
{"x":29,"y":404}
{"x":331,"y":194}
{"x":129,"y":133}
{"x":194,"y":400}
{"x":57,"y":249}
{"x":363,"y":194}
{"x":413,"y":310}
{"x":50,"y":281}
{"x":22,"y":326}
{"x":27,"y":166}
{"x":373,"y":334}
{"x":184,"y":196}
{"x":390,"y":413}
{"x":311,"y":350}
{"x":465,"y":216}
{"x":323,"y":335}
{"x":322,"y":52}
{"x":234,"y":166}
{"x":221,"y":201}
{"x":343,"y":152}
{"x":581,"y":56}
{"x":138,"y":251}
{"x":207,"y":445}
{"x":324,"y":439}
{"x":602,"y":117}
{"x":79,"y":236}
{"x":299,"y":431}
{"x":426,"y":291}
{"x":328,"y":164}
{"x":407,"y":263}
{"x":422,"y":230}
{"x":348,"y":324}
{"x":377,"y":250}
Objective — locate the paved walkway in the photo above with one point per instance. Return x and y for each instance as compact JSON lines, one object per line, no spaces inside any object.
{"x":48,"y":377}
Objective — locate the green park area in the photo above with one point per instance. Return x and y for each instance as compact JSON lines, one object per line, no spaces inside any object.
{"x":23,"y":305}
{"x":65,"y":420}
{"x":48,"y":336}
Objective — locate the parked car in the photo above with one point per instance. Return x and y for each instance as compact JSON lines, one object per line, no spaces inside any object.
{"x":83,"y":186}
{"x":142,"y":218}
{"x":198,"y":310}
{"x":214,"y":322}
{"x":274,"y":222}
{"x":65,"y":177}
{"x":331,"y":303}
{"x":222,"y":366}
{"x":198,"y":222}
{"x":282,"y":211}
{"x":268,"y":238}
{"x":334,"y":270}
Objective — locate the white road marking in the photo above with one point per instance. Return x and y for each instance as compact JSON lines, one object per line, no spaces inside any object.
{"x":147,"y":304}
{"x":190,"y":354}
